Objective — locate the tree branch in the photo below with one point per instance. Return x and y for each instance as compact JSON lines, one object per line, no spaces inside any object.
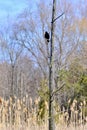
{"x":57,"y":90}
{"x":57,"y":17}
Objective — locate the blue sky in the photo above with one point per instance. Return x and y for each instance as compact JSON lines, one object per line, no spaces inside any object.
{"x":11,"y":8}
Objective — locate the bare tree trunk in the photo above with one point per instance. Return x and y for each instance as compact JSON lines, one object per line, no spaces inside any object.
{"x":51,"y":112}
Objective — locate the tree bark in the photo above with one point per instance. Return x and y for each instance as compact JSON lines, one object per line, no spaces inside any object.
{"x":51,"y":111}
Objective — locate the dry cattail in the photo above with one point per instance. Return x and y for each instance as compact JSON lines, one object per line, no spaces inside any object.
{"x":75,"y":101}
{"x":36,"y":102}
{"x":30,"y":100}
{"x":69,"y":101}
{"x":0,"y":100}
{"x":81,"y":103}
{"x":46,"y":104}
{"x":84,"y":102}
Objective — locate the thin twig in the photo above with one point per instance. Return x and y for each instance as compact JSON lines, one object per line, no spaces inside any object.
{"x":57,"y":17}
{"x":57,"y":90}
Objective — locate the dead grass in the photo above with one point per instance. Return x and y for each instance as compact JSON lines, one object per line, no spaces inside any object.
{"x":43,"y":127}
{"x":21,"y":115}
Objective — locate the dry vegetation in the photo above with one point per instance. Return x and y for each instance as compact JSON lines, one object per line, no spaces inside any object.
{"x":24,"y":68}
{"x":21,"y":114}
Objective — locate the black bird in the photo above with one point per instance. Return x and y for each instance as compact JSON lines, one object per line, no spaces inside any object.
{"x":47,"y":36}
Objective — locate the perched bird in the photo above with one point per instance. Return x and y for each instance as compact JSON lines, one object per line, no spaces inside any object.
{"x":46,"y":35}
